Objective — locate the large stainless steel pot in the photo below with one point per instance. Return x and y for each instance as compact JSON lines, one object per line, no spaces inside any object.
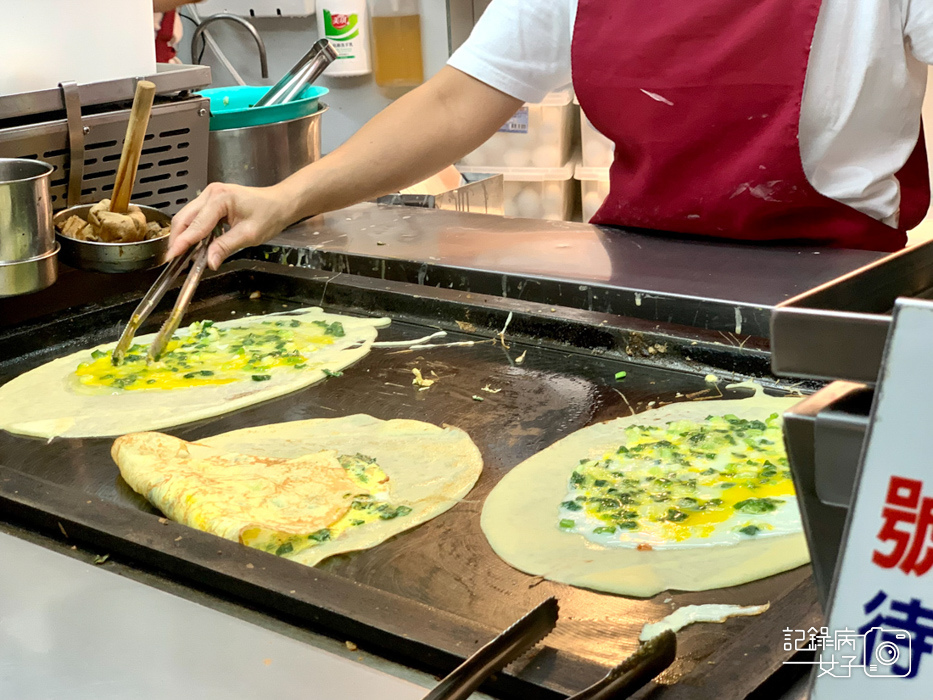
{"x":263,"y":155}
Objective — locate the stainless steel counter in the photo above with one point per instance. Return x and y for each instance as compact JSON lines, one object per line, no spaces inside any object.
{"x":70,"y":629}
{"x":719,"y":285}
{"x":729,"y":287}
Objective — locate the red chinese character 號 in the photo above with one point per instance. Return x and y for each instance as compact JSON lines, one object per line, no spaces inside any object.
{"x":913,"y":544}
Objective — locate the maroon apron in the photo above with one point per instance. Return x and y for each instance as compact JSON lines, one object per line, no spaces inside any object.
{"x":165,"y":52}
{"x":702,"y":99}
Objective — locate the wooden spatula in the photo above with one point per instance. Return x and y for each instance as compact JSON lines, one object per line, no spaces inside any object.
{"x":132,"y":146}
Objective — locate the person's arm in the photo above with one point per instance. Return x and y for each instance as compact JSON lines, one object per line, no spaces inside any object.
{"x":413,"y":138}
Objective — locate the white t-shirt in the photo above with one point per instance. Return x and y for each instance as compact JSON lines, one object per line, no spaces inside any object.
{"x":861,"y":105}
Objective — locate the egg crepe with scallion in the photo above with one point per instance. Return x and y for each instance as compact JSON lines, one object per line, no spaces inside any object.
{"x":207,"y":369}
{"x":690,"y":496}
{"x":304,"y":490}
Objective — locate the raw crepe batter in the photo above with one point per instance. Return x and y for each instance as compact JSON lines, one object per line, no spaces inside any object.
{"x":44,"y":402}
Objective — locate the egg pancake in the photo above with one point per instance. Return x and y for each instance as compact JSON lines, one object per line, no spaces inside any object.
{"x":685,"y":484}
{"x":690,"y":496}
{"x":208,"y":369}
{"x":304,"y":490}
{"x":229,"y":494}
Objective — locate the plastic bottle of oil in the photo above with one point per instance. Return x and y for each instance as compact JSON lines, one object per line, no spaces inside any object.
{"x":396,"y":37}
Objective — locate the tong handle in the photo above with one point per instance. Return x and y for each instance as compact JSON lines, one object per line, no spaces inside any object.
{"x":184,"y":299}
{"x":498,"y":653}
{"x":148,"y":304}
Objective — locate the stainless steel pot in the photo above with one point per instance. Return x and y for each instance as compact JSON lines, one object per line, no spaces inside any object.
{"x":112,"y":257}
{"x":25,"y":210}
{"x":30,"y":275}
{"x":263,"y":155}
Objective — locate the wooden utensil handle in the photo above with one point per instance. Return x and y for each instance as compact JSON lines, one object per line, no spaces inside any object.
{"x":132,"y":146}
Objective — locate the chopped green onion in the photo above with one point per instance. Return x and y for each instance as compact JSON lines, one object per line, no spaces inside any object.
{"x":320,"y":535}
{"x":756,"y":506}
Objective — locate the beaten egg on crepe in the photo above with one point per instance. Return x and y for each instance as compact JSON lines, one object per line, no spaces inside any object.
{"x":208,"y":369}
{"x":305,"y":490}
{"x":691,"y":496}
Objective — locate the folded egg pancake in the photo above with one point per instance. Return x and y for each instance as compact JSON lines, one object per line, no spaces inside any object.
{"x":228,"y":493}
{"x":691,"y":496}
{"x":304,"y":490}
{"x":208,"y":369}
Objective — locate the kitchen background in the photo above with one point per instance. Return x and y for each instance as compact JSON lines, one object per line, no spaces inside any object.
{"x":535,"y":186}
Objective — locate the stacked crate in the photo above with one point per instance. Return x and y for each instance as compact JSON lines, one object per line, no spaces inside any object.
{"x":533,"y":152}
{"x":593,"y":170}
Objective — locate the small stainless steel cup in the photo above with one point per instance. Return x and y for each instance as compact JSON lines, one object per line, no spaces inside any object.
{"x":25,"y":209}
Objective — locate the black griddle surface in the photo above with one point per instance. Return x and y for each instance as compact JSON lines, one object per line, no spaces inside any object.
{"x":445,"y":565}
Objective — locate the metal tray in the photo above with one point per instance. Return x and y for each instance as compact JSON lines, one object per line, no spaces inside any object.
{"x":838,"y":330}
{"x":431,"y":596}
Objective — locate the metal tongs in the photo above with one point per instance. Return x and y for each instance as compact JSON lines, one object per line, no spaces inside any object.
{"x":301,"y":75}
{"x":650,"y":659}
{"x":197,"y":256}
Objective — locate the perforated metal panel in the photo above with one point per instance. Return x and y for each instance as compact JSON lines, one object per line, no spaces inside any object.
{"x":172,"y":170}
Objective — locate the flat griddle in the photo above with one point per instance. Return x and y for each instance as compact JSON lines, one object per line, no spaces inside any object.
{"x":432,"y":595}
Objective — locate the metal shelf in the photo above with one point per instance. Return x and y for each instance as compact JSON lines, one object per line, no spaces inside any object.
{"x":824,"y":434}
{"x":168,"y":78}
{"x":838,"y":330}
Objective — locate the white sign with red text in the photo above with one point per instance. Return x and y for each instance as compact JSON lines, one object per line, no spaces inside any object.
{"x":879,"y":637}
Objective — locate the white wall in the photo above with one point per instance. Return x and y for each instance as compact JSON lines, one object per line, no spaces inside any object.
{"x":352,"y":101}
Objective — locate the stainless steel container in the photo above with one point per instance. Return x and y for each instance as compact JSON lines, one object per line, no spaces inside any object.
{"x":28,"y":251}
{"x":25,"y":209}
{"x":25,"y":276}
{"x":480,"y":194}
{"x":112,"y":257}
{"x":263,"y":155}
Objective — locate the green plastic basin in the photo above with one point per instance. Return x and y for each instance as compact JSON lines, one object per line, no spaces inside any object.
{"x":231,"y":106}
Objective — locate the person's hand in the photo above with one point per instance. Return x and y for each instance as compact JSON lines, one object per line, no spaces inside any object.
{"x":254,"y":214}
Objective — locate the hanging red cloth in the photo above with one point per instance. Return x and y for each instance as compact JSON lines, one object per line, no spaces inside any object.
{"x":702,"y":99}
{"x":165,"y":52}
